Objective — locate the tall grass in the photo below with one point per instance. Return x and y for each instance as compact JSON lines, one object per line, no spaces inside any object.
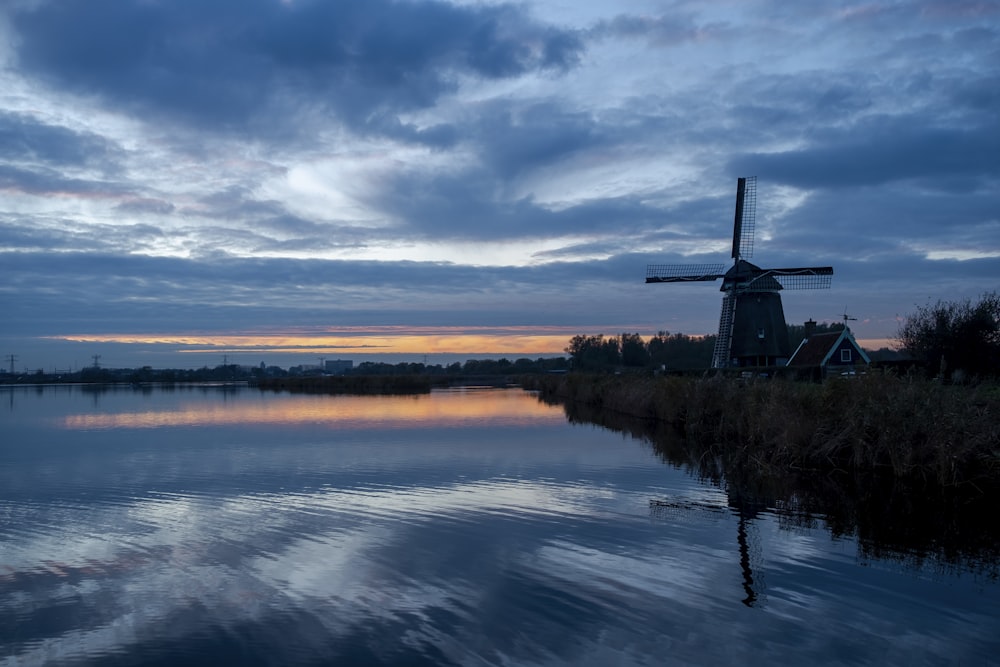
{"x":907,"y":427}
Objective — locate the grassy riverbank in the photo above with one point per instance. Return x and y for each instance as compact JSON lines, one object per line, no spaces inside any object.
{"x":879,"y":424}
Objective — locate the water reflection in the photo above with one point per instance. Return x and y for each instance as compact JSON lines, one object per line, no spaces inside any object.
{"x":906,"y":522}
{"x":492,"y":533}
{"x":447,"y":408}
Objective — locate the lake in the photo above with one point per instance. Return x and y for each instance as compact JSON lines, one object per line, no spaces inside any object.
{"x":473,"y":526}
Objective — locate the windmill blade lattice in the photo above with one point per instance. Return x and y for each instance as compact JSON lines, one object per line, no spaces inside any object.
{"x":817,"y":277}
{"x":683,"y":273}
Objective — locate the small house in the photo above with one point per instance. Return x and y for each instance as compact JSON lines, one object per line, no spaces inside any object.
{"x":832,"y":352}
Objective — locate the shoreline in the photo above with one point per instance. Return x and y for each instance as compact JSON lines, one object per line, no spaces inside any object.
{"x":873,"y":425}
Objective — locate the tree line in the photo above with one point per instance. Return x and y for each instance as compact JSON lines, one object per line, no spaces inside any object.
{"x":949,"y":339}
{"x":235,"y":373}
{"x":673,"y":352}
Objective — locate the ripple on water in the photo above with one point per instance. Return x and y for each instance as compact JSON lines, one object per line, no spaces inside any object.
{"x":260,"y":532}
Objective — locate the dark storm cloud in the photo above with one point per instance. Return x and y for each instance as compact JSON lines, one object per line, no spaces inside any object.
{"x":98,"y":292}
{"x":884,"y":150}
{"x":786,"y":106}
{"x":665,"y":30}
{"x":516,"y":140}
{"x":464,"y":207}
{"x":26,"y":140}
{"x":40,"y":158}
{"x":283,"y":222}
{"x":51,"y":181}
{"x":237,"y":63}
{"x":143,"y":205}
{"x":238,"y":204}
{"x":388,"y":125}
{"x":892,"y":218}
{"x":979,"y":94}
{"x":43,"y":159}
{"x":269,"y":226}
{"x":30,"y":233}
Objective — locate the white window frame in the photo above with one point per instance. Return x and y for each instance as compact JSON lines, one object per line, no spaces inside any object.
{"x":845,"y":355}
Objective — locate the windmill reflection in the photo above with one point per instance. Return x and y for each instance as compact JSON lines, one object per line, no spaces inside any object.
{"x":746,"y":509}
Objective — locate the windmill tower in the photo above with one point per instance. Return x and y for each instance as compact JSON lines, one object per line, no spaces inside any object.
{"x":752,"y":328}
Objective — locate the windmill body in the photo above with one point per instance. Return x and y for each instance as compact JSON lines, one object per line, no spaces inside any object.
{"x":752,"y":327}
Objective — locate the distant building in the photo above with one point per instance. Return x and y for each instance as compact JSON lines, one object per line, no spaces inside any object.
{"x":831,"y":352}
{"x":338,"y":366}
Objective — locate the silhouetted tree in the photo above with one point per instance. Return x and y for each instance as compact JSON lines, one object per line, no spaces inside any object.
{"x":952,"y":335}
{"x":594,"y":352}
{"x":680,"y":352}
{"x":633,"y":350}
{"x":888,"y":354}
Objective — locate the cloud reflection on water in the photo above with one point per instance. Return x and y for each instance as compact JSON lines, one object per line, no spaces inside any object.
{"x":492,"y":532}
{"x":337,"y":554}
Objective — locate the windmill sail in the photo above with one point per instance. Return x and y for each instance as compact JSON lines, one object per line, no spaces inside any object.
{"x":683,"y":273}
{"x":811,"y":277}
{"x":745,"y":220}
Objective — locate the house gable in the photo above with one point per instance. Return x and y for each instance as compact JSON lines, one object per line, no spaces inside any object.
{"x":845,"y":352}
{"x":836,"y":348}
{"x":811,"y":351}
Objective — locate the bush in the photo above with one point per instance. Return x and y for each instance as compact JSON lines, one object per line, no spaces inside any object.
{"x":955,"y":336}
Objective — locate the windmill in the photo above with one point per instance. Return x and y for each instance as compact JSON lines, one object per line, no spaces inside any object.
{"x":752,"y":328}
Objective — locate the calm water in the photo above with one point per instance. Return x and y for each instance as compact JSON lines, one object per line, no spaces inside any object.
{"x":468,"y":527}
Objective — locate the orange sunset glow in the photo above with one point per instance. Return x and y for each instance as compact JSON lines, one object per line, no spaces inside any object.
{"x":409,"y":340}
{"x":438,"y":410}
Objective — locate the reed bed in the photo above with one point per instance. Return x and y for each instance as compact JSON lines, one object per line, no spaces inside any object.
{"x":907,"y":427}
{"x":911,"y":516}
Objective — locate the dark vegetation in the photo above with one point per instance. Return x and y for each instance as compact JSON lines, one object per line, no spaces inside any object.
{"x":876,"y":424}
{"x":896,"y":505}
{"x":367,"y":377}
{"x":959,"y":338}
{"x":674,"y":353}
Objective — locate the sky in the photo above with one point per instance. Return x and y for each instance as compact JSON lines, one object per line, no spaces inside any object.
{"x":184,"y":182}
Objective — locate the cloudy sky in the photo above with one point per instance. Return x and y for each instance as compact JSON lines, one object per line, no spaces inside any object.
{"x":337,"y":178}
